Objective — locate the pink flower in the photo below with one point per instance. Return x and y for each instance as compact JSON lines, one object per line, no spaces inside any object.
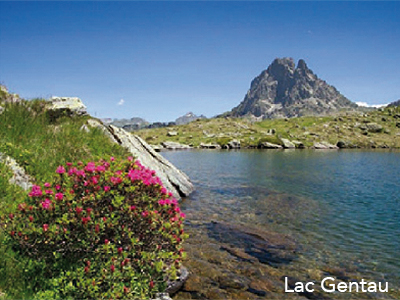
{"x":112,"y":158}
{"x":90,"y":167}
{"x":133,"y":207}
{"x":95,"y":180}
{"x":107,"y":188}
{"x":78,"y":210}
{"x":58,"y":187}
{"x":112,"y":268}
{"x":72,"y":171}
{"x":59,"y":196}
{"x":46,"y":184}
{"x":85,"y":220}
{"x":46,"y":204}
{"x":164,"y":191}
{"x":130,"y":158}
{"x":48,"y":192}
{"x":45,"y":227}
{"x":120,"y":250}
{"x":100,"y":168}
{"x":145,"y":213}
{"x":183,"y":215}
{"x":89,"y":210}
{"x":60,"y":170}
{"x":69,"y":164}
{"x":106,"y":241}
{"x":36,"y":191}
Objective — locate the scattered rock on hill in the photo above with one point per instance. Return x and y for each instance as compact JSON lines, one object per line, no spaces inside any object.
{"x":374,"y":128}
{"x":234,"y":144}
{"x":172,"y":133}
{"x":19,"y":177}
{"x":174,"y":146}
{"x":324,"y":145}
{"x":209,"y":146}
{"x":267,"y":145}
{"x":287,"y":144}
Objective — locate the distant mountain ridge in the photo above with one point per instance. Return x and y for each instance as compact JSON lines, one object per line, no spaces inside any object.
{"x":284,"y":90}
{"x":187,"y":118}
{"x":136,"y":123}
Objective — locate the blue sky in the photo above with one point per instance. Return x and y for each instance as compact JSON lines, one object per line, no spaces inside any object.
{"x":164,"y":59}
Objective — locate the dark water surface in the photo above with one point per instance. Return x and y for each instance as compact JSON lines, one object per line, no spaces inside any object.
{"x":258,"y":216}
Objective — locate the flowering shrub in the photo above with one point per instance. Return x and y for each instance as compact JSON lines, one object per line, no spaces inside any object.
{"x":104,"y":229}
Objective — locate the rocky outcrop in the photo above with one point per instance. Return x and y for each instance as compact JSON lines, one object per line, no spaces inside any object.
{"x":324,"y":145}
{"x":209,"y":146}
{"x":234,"y":144}
{"x":19,"y":176}
{"x":174,"y":180}
{"x":65,"y":106}
{"x":284,"y":90}
{"x":288,"y":144}
{"x":374,"y":127}
{"x":267,"y":145}
{"x":172,"y":133}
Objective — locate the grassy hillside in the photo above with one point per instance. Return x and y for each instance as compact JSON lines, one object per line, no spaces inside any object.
{"x":353,"y":128}
{"x":39,"y":145}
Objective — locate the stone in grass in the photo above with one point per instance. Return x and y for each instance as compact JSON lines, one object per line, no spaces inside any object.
{"x":61,"y":106}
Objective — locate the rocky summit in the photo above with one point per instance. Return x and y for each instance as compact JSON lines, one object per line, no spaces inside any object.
{"x":284,"y":90}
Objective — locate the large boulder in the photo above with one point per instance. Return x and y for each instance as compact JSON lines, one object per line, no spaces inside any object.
{"x":234,"y":144}
{"x":267,"y":145}
{"x":19,"y":176}
{"x":288,"y":144}
{"x":324,"y":145}
{"x":59,"y":106}
{"x":374,"y":127}
{"x":173,"y":179}
{"x":209,"y":146}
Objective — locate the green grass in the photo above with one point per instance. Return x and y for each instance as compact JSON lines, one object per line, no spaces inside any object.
{"x":39,"y":144}
{"x":308,"y":130}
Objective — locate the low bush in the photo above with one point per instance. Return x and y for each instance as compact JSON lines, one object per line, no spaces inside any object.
{"x":105,"y":229}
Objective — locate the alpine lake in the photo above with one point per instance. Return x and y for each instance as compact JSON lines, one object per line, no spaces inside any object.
{"x":261,"y":221}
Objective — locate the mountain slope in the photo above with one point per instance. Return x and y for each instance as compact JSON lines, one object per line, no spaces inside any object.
{"x":284,"y":90}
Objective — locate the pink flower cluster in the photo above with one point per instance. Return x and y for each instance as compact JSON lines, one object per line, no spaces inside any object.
{"x":36,"y":191}
{"x":144,"y":174}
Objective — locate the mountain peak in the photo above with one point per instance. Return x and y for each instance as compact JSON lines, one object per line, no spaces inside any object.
{"x":284,"y":90}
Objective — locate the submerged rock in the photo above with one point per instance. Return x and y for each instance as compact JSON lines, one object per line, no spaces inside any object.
{"x":251,"y":244}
